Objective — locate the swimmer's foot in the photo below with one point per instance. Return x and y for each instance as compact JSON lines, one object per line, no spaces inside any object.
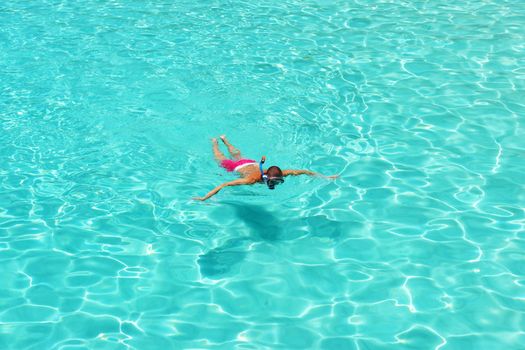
{"x":219,"y":156}
{"x":234,"y":152}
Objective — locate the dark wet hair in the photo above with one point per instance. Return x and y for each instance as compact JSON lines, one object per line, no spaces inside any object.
{"x":274,"y":171}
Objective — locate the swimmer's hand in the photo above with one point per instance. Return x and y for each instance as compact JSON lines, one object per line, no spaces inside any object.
{"x":331,"y":177}
{"x":226,"y":184}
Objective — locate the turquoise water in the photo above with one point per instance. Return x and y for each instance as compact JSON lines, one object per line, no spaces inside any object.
{"x":107,"y":109}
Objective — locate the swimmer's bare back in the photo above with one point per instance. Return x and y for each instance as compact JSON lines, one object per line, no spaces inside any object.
{"x":249,"y":173}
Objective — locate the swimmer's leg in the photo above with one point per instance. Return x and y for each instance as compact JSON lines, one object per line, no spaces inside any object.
{"x":236,"y":154}
{"x":219,"y":156}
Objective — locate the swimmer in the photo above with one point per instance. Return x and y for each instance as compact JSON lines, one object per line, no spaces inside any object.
{"x":249,"y":170}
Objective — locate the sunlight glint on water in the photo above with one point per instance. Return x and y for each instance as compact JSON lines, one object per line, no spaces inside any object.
{"x":106,"y":114}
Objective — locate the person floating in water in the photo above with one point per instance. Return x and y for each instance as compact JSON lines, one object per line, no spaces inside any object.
{"x":250,"y":172}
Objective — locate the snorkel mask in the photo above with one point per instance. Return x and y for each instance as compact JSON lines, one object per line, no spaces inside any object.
{"x":269,"y":181}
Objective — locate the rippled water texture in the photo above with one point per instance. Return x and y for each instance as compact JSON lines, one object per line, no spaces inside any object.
{"x":106,"y":113}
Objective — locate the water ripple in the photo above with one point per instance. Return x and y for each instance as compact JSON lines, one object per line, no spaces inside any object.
{"x":106,"y":113}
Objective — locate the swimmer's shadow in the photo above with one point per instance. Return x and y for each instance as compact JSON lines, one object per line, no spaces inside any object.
{"x":263,"y":226}
{"x":223,"y":259}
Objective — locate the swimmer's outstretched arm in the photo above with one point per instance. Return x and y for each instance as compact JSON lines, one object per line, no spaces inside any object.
{"x":306,"y":172}
{"x":220,"y":187}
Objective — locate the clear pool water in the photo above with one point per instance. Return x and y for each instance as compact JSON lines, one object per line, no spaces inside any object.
{"x":106,"y":113}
